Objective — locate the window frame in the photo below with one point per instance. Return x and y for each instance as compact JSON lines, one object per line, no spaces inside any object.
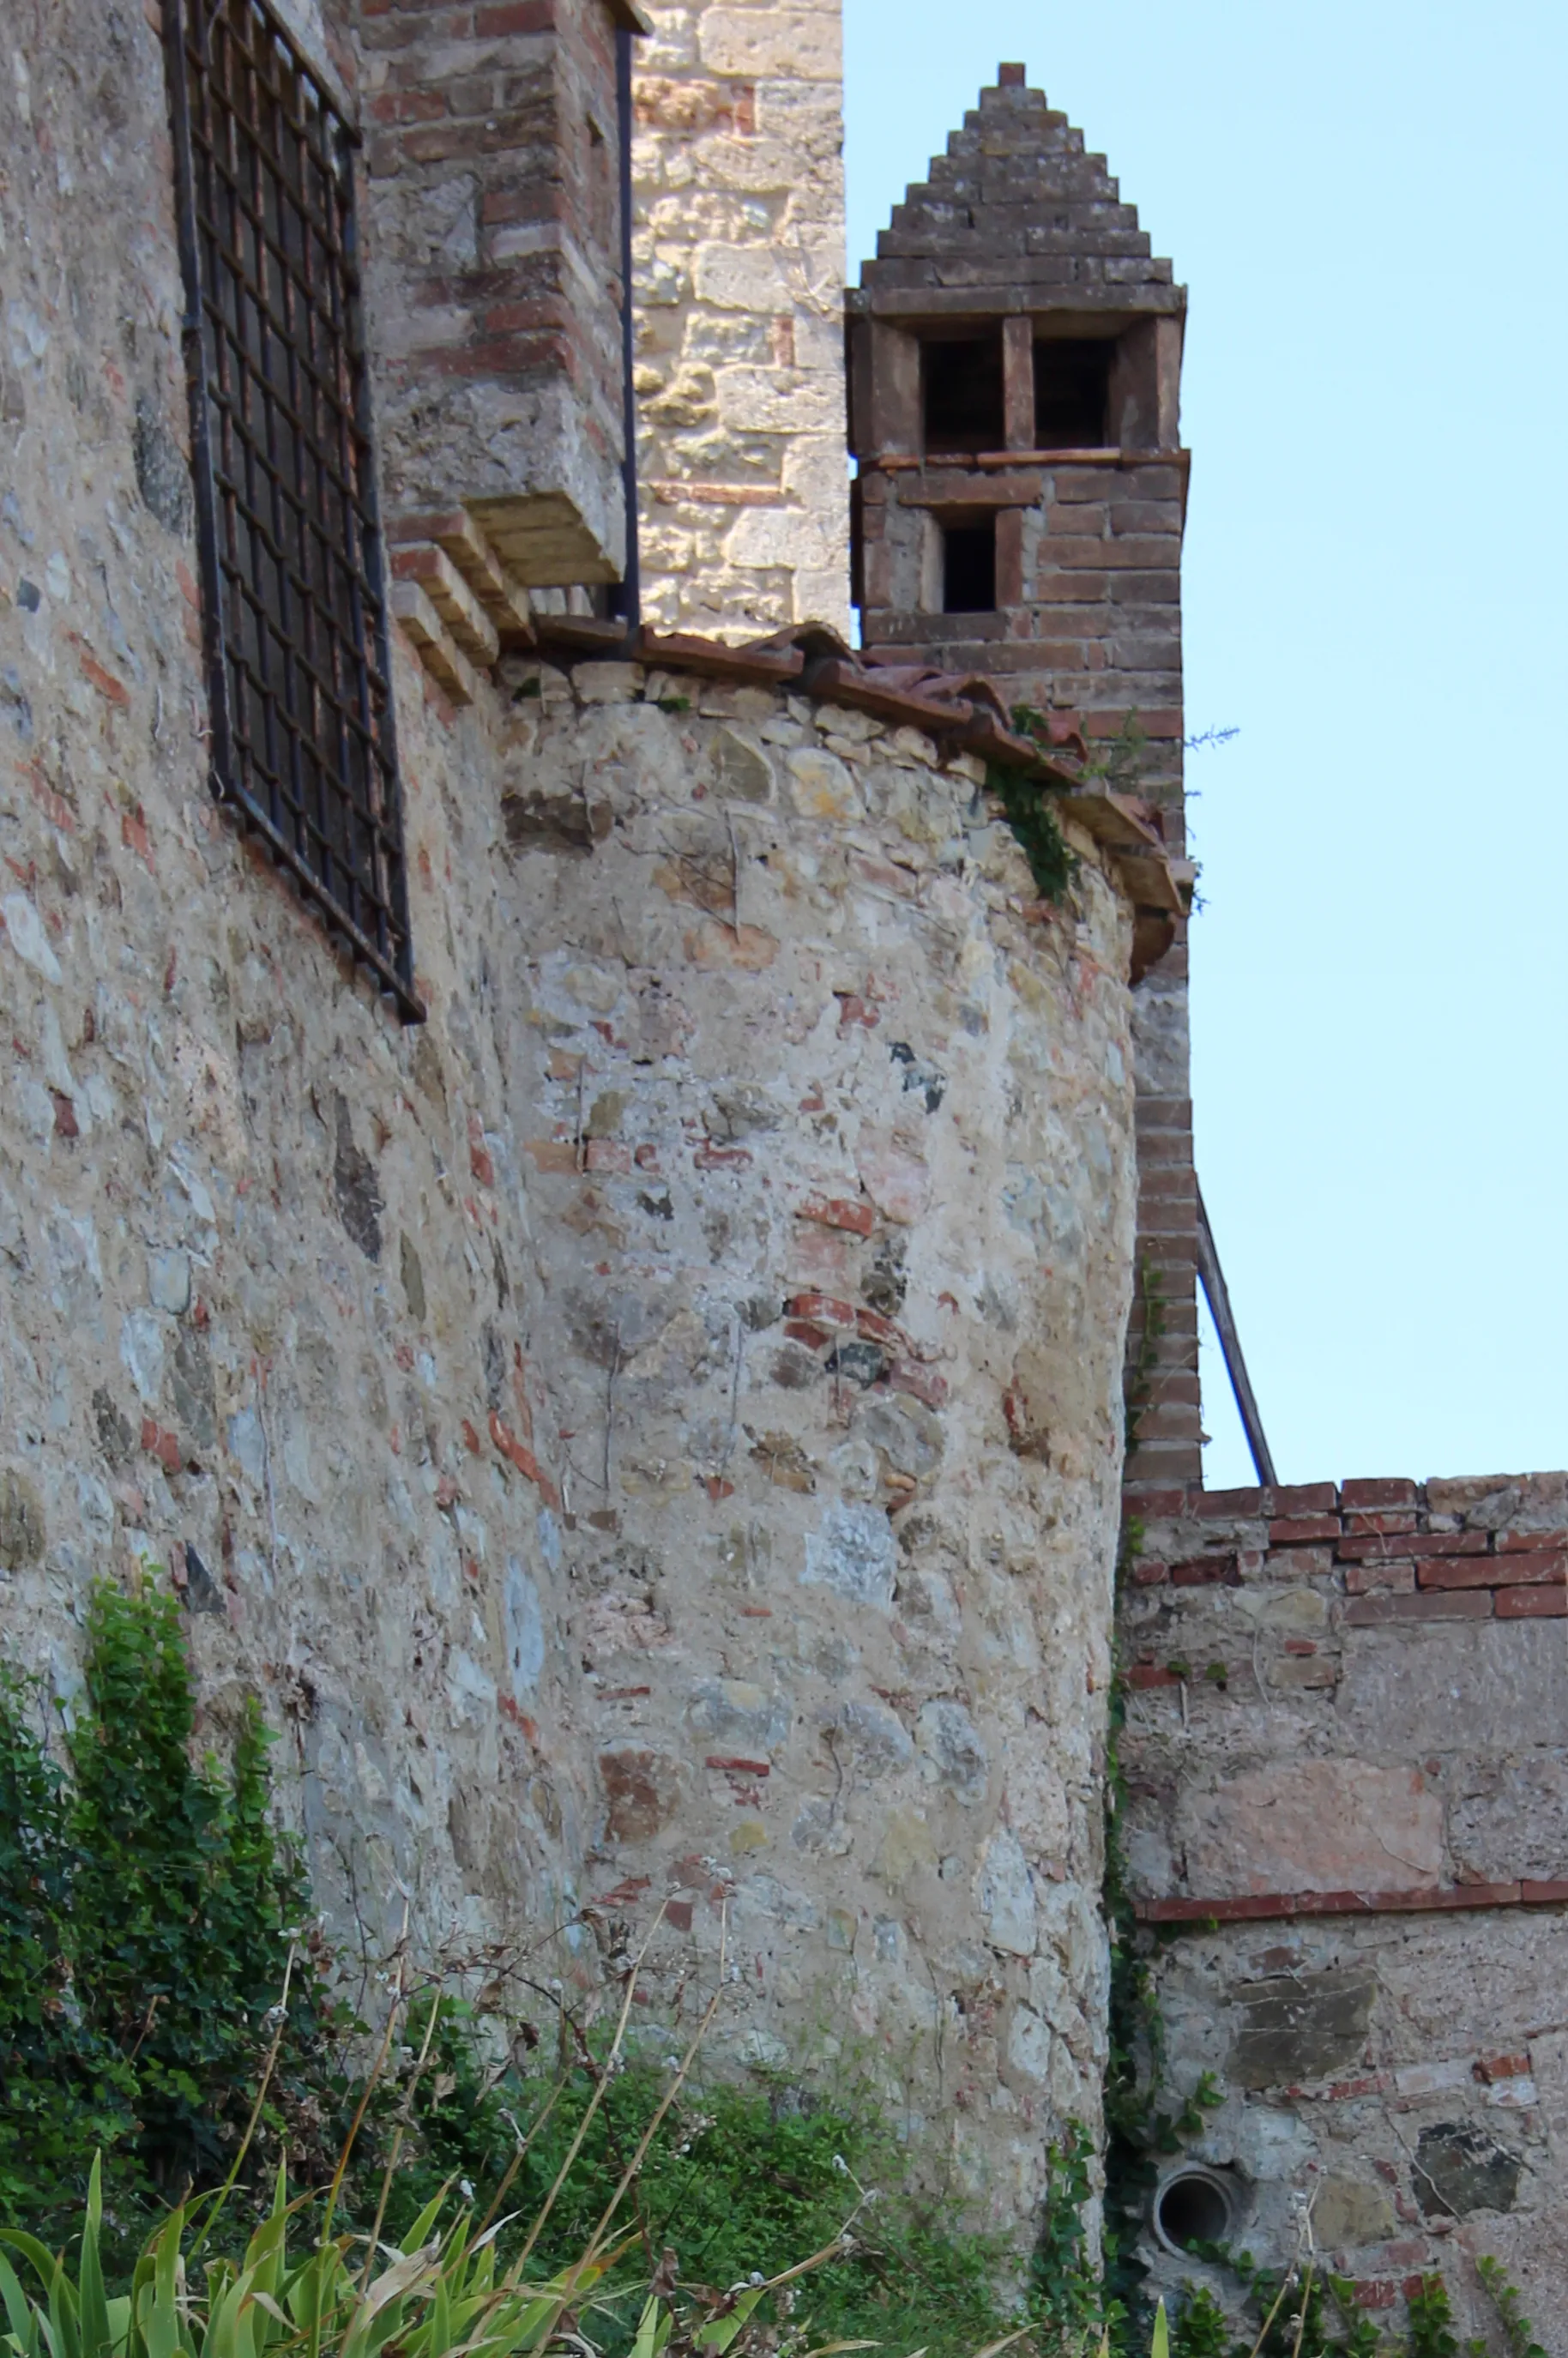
{"x":294,"y":578}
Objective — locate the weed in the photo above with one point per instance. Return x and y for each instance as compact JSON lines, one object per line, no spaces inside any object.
{"x":154,"y":1953}
{"x":1518,"y":2332}
{"x":1027,"y":808}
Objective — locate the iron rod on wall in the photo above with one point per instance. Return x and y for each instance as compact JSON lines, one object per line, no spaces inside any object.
{"x":1224,"y":1318}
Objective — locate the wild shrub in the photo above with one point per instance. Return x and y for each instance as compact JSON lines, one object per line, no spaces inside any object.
{"x":151,"y":1910}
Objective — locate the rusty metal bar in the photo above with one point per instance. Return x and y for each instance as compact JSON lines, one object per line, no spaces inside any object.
{"x":1224,"y":1318}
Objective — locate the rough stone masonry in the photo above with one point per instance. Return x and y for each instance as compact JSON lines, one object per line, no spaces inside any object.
{"x":1346,"y":1824}
{"x":651,"y":1428}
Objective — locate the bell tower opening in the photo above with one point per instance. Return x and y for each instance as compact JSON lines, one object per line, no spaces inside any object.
{"x":962,"y":389}
{"x":968,"y":568}
{"x":1072,"y":392}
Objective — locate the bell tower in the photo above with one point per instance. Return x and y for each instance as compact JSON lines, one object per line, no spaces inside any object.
{"x":1015,"y":356}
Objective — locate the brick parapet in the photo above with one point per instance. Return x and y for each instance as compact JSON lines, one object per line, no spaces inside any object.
{"x":1373,"y":1564}
{"x":1297,"y":1658}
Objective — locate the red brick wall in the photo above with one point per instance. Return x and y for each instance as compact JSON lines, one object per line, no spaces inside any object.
{"x":1255,"y":1596}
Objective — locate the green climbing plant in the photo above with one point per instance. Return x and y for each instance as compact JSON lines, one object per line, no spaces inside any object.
{"x":1518,"y":2332}
{"x":1305,"y":2311}
{"x":1145,"y":2121}
{"x":1027,"y":809}
{"x":1121,"y":765}
{"x":1030,"y":814}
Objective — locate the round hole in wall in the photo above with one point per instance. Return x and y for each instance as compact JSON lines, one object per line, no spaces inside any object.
{"x":1193,"y":2205}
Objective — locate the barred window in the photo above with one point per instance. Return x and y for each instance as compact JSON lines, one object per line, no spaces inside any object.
{"x":293,"y":582}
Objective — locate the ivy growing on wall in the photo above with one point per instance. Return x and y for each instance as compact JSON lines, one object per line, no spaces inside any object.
{"x":1027,"y":809}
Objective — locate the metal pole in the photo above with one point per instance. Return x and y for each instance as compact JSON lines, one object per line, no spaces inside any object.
{"x":626,"y":597}
{"x":1224,"y":1318}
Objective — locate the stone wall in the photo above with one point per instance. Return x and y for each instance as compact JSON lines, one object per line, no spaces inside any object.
{"x":1410,"y":2076}
{"x":267,"y":1269}
{"x":650,"y":1432}
{"x":1347,"y":1779}
{"x":830,"y":1124}
{"x":740,"y":274}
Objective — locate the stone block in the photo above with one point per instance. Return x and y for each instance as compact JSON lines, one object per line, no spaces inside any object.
{"x":1461,"y":2169}
{"x":1509,"y":1816}
{"x":1351,"y":2211}
{"x":1314,"y":1825}
{"x":775,"y":401}
{"x":743,"y":279}
{"x":438,"y":651}
{"x":23,"y":1528}
{"x":1494,"y":1683}
{"x":788,"y":45}
{"x":1300,"y":2025}
{"x":641,"y":1791}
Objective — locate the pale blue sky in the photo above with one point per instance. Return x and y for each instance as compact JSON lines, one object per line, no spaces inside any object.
{"x":1368,"y":205}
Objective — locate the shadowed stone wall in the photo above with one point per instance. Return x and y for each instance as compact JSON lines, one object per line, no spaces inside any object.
{"x":266,"y":1264}
{"x":649,"y":1432}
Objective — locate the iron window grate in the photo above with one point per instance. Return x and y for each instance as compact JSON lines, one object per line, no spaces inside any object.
{"x":299,"y":680}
